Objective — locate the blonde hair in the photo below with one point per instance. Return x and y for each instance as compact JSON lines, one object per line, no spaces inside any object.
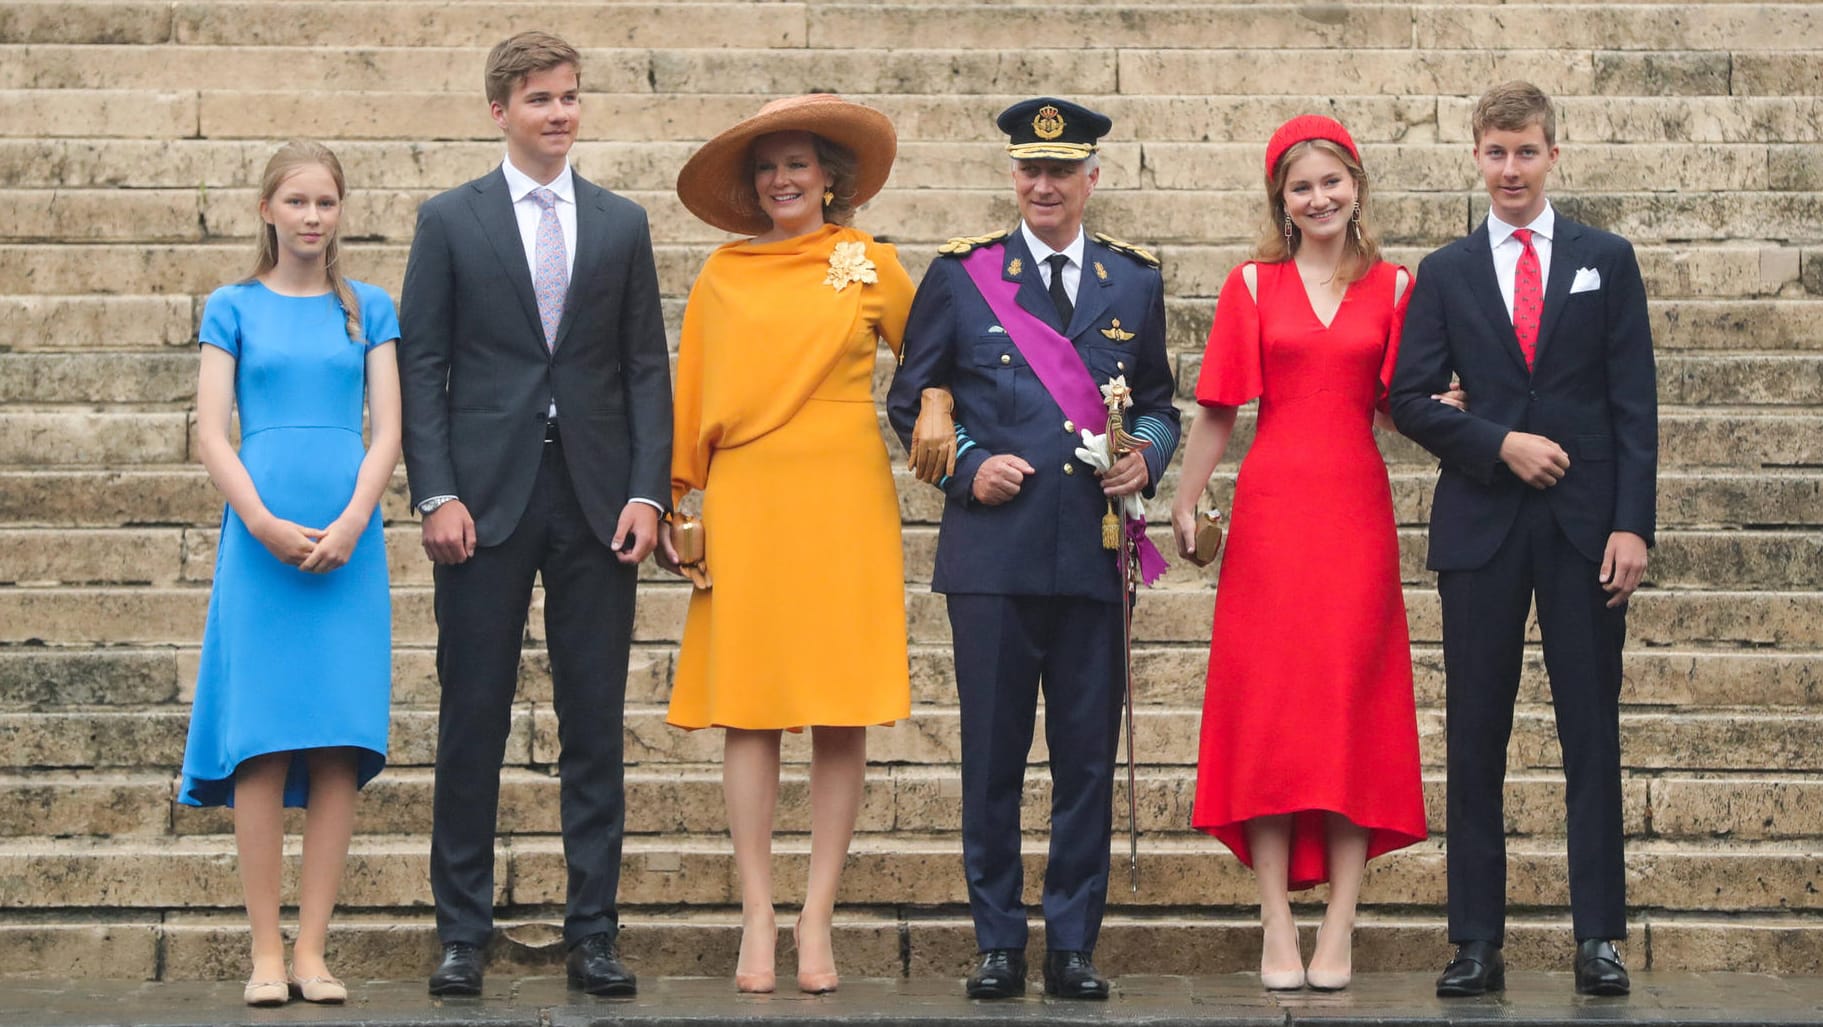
{"x":1512,"y":107}
{"x":513,"y":60}
{"x":291,"y":158}
{"x":1361,"y":252}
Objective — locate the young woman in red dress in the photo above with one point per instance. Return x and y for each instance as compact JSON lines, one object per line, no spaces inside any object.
{"x":1309,"y":755}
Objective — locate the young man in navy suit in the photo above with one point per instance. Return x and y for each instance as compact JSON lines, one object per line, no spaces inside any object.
{"x":1024,"y":327}
{"x":1547,"y":490}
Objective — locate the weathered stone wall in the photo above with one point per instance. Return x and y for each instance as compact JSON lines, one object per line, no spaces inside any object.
{"x":131,"y":136}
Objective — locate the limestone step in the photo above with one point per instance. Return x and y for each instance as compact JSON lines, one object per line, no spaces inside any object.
{"x":1712,"y":437}
{"x":1711,"y":297}
{"x":688,"y":800}
{"x":167,"y":556}
{"x":372,"y":164}
{"x":168,"y":215}
{"x":182,"y":495}
{"x":1091,"y":70}
{"x":1746,"y":379}
{"x":391,"y":872}
{"x":159,"y":616}
{"x":1164,"y":216}
{"x":67,"y":678}
{"x":1741,"y":741}
{"x":871,"y":942}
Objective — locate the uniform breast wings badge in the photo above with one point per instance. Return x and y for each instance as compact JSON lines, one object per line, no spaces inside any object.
{"x":1016,"y":267}
{"x":1114,"y":332}
{"x":1048,"y":124}
{"x":1101,"y":272}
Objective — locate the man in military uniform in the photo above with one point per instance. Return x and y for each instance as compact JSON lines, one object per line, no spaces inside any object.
{"x":1023,"y":328}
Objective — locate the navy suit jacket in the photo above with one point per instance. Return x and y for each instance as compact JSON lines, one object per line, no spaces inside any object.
{"x":1593,"y":391}
{"x":477,"y":379}
{"x":1047,"y":540}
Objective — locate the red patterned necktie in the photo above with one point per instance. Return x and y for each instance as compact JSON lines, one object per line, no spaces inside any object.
{"x":1528,"y":297}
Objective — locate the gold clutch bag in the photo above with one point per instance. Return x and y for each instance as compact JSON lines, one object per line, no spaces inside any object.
{"x":1208,"y":538}
{"x":692,"y":551}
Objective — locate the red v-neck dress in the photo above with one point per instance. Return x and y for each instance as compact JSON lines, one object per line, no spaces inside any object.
{"x":1308,"y":707}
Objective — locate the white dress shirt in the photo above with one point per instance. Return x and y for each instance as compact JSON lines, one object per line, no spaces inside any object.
{"x":519,"y":186}
{"x":1507,"y":250}
{"x":1072,"y":271}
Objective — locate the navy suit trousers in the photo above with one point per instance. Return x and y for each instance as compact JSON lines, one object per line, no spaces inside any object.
{"x":1007,"y":649}
{"x":1484,"y":620}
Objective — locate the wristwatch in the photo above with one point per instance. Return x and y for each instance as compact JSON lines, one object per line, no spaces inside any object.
{"x":430,"y":505}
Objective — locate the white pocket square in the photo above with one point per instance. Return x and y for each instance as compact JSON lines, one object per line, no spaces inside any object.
{"x":1587,"y":280}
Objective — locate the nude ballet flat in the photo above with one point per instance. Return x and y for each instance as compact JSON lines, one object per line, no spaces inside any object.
{"x":324,"y":990}
{"x":265,"y":994}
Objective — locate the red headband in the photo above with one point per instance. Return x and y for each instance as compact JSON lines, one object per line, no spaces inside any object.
{"x":1304,"y":128}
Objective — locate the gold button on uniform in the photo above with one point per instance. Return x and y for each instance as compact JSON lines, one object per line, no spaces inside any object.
{"x":1069,"y":468}
{"x":1069,"y":427}
{"x":1005,"y":358}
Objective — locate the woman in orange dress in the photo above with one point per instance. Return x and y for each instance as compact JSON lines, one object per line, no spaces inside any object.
{"x":1309,"y":641}
{"x":800,"y":619}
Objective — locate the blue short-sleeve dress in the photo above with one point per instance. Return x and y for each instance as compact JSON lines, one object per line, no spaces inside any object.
{"x":293,"y":660}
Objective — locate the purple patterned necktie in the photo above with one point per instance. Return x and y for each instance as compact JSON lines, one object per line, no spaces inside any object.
{"x":550,"y":273}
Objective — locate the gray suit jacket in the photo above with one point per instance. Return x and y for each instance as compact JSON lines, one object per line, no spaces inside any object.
{"x":477,"y":379}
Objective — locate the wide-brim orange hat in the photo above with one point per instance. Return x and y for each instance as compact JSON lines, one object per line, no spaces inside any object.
{"x":715,"y":183}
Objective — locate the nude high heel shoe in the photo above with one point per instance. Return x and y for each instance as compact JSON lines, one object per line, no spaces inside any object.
{"x":1320,"y":980}
{"x":756,"y":982}
{"x":814,"y":982}
{"x":1280,"y":980}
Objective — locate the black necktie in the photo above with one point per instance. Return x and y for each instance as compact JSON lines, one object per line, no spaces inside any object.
{"x":1059,"y":296}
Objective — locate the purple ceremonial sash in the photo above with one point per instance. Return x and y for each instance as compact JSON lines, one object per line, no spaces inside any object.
{"x":1053,"y":358}
{"x":1059,"y":369}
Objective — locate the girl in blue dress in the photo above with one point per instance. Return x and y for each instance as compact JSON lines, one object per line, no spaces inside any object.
{"x":293,"y":691}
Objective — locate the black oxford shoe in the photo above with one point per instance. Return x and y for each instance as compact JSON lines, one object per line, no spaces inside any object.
{"x":1476,"y":970}
{"x":460,"y":971}
{"x":1000,"y":975}
{"x":1599,"y":970}
{"x":594,"y":966}
{"x":1073,"y":975}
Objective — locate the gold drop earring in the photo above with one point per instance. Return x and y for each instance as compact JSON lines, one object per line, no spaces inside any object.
{"x":1356,"y":220}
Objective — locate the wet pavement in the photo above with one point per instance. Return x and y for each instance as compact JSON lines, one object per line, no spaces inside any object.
{"x":1381,"y":1000}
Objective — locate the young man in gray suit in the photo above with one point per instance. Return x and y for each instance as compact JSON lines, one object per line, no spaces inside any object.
{"x":530,"y":303}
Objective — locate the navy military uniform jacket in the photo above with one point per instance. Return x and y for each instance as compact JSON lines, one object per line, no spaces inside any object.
{"x":1046,"y":541}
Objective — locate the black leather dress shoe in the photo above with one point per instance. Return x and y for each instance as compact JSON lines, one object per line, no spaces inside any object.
{"x":595,"y":967}
{"x":1073,"y":975}
{"x":1476,"y":970}
{"x":1599,"y":970}
{"x":1000,"y":975}
{"x":460,"y":971}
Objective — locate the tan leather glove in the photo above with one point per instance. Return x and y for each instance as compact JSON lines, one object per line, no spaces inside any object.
{"x":933,"y":446}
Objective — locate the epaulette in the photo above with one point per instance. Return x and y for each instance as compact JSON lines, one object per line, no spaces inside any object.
{"x":962,"y":244}
{"x":1121,"y":246}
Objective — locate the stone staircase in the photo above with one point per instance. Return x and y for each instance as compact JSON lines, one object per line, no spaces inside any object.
{"x":131,"y":136}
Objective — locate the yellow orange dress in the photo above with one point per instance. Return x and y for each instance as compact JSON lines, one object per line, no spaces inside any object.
{"x":805,"y":621}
